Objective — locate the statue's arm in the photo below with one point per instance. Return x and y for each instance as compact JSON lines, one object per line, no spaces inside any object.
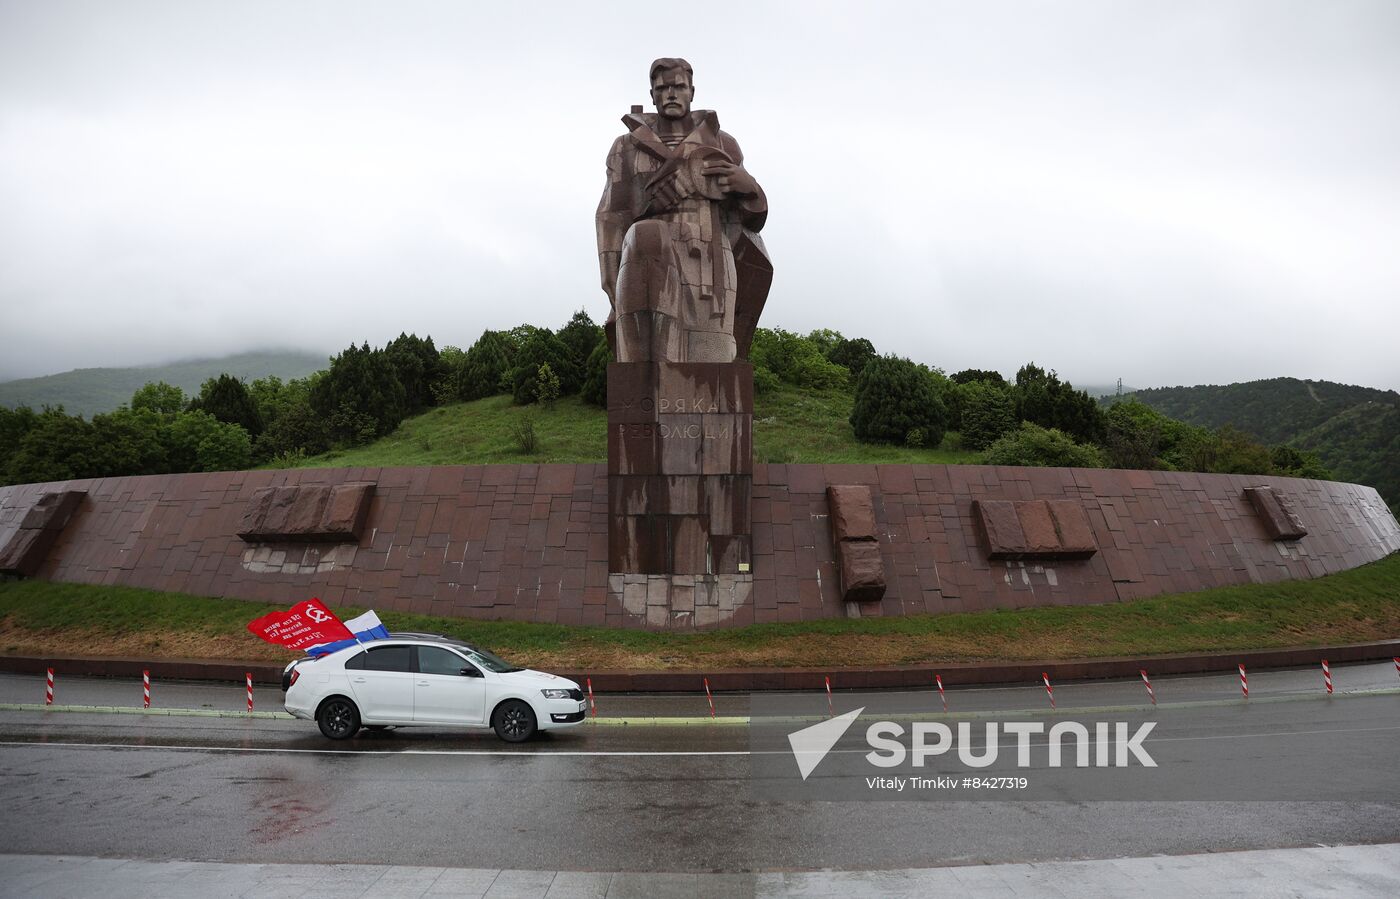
{"x":614,"y":215}
{"x":753,"y":205}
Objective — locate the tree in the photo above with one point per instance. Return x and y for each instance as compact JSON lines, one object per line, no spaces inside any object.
{"x":581,"y":336}
{"x":546,"y":386}
{"x":360,"y":395}
{"x":825,"y":340}
{"x":297,"y":429}
{"x":1134,"y":435}
{"x":1296,"y":463}
{"x":486,"y":366}
{"x":968,"y":375}
{"x":447,"y":388}
{"x":200,"y":442}
{"x":893,"y":397}
{"x":158,"y":397}
{"x":595,"y":379}
{"x":988,"y":412}
{"x":1043,"y":447}
{"x":795,"y":359}
{"x":227,"y":399}
{"x":543,"y":348}
{"x":57,"y":447}
{"x":418,"y":366}
{"x":1043,"y":399}
{"x":131,"y":441}
{"x":14,"y":424}
{"x":853,"y":354}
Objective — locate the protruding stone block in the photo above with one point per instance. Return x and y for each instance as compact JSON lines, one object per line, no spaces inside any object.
{"x":25,"y":544}
{"x":856,"y":542}
{"x":347,"y":511}
{"x":1276,"y":513}
{"x":1034,"y":529}
{"x":852,"y":512}
{"x":862,"y":571}
{"x":308,"y":513}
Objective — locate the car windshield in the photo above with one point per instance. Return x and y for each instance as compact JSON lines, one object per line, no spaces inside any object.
{"x":489,"y":660}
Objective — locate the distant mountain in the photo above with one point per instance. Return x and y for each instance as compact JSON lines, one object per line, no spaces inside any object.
{"x":87,"y":391}
{"x":1355,"y":430}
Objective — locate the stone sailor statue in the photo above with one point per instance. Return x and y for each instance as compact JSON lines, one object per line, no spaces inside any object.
{"x":682,"y":263}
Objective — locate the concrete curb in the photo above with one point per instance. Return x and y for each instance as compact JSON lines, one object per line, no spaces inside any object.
{"x":752,"y":680}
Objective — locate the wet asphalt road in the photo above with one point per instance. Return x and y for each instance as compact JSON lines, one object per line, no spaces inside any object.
{"x":597,"y":798}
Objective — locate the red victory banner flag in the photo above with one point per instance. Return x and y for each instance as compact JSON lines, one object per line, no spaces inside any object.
{"x":303,"y":625}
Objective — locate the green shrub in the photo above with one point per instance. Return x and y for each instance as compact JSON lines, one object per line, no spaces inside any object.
{"x":546,"y":386}
{"x":523,"y":430}
{"x":485,"y":368}
{"x":893,"y":397}
{"x":1046,"y":447}
{"x":853,"y":354}
{"x":988,"y":413}
{"x":795,"y":359}
{"x":582,"y":337}
{"x":595,"y":379}
{"x":764,"y":380}
{"x":542,"y":348}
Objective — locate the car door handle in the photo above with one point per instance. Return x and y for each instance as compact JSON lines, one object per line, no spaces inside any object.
{"x":423,"y":683}
{"x":357,"y":680}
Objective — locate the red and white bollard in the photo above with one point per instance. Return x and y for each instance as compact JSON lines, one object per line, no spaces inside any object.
{"x":1148,"y":684}
{"x":1244,"y":681}
{"x":830,"y":709}
{"x":710,"y":696}
{"x":48,"y":689}
{"x":1049,"y":690}
{"x":248,"y":679}
{"x":591,"y":704}
{"x":1397,"y":666}
{"x":938,"y":678}
{"x":1327,"y":676}
{"x":145,"y":689}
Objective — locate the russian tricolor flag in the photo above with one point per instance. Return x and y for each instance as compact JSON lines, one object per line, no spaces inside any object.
{"x":365,"y":628}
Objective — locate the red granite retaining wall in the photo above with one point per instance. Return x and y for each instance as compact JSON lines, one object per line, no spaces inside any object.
{"x":530,"y":541}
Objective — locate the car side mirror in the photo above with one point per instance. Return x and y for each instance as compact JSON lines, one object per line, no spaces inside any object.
{"x":469,"y":671}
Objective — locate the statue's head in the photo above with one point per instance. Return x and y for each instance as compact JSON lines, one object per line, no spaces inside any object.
{"x":672,"y":87}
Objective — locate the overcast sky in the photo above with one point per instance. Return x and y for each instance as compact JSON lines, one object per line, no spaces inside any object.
{"x":1170,"y":193}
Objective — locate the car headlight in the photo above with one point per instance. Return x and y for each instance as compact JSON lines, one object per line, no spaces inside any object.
{"x":555,"y":694}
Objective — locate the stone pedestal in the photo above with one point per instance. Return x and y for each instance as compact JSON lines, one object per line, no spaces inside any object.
{"x":680,"y":468}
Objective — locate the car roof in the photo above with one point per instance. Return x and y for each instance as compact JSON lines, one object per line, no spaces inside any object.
{"x":396,"y":637}
{"x":430,"y":638}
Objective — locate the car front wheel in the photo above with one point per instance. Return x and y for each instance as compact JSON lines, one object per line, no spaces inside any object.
{"x":338,"y":718}
{"x":514,"y":721}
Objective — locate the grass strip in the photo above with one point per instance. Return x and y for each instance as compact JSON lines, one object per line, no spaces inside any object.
{"x":40,"y":617}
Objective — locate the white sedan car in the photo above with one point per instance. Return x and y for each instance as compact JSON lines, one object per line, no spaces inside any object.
{"x":425,"y":679}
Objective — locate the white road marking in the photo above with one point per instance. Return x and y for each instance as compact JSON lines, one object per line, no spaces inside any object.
{"x":625,"y":753}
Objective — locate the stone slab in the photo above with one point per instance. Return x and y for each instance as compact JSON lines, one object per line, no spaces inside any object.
{"x":306,"y":513}
{"x":1033,"y":529}
{"x":1276,"y":513}
{"x":852,"y":512}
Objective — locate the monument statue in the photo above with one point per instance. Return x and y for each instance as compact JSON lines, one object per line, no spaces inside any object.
{"x":682,"y":262}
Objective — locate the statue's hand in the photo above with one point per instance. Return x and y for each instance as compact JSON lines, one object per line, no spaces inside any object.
{"x":666,"y":193}
{"x":732,"y":178}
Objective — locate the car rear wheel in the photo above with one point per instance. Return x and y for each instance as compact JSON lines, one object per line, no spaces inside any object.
{"x":514,"y":721}
{"x":338,"y":718}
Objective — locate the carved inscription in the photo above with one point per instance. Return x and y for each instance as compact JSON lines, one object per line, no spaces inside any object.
{"x":644,"y":430}
{"x":673,"y":405}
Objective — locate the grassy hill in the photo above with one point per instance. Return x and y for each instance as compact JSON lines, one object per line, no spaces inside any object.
{"x":790,"y":425}
{"x":1354,"y":430}
{"x":87,"y":391}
